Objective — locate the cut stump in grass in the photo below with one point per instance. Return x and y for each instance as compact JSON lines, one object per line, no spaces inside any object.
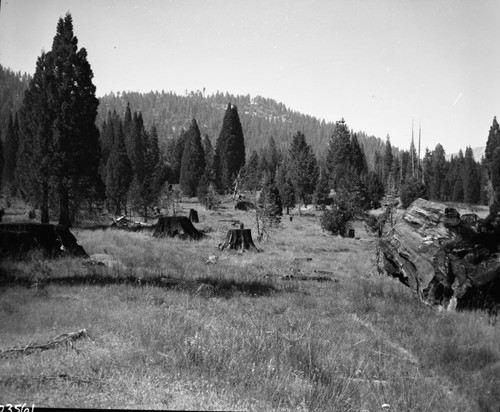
{"x":17,"y":239}
{"x":193,"y":216}
{"x":240,"y":240}
{"x":180,"y":226}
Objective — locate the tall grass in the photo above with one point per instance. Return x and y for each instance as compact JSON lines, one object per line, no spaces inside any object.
{"x":234,"y":335}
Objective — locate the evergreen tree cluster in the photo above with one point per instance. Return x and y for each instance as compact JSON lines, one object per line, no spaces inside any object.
{"x":58,"y":154}
{"x":54,"y":155}
{"x":130,"y":164}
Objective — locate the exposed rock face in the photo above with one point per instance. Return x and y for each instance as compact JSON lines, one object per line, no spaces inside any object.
{"x":446,"y":260}
{"x":16,"y":239}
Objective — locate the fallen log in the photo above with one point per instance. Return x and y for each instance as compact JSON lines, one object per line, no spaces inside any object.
{"x":445,"y":260}
{"x":63,"y":339}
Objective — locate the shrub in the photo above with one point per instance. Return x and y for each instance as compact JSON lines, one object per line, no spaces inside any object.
{"x":412,"y":190}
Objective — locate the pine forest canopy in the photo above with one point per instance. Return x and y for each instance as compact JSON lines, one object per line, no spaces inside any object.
{"x":261,"y":118}
{"x":71,"y":146}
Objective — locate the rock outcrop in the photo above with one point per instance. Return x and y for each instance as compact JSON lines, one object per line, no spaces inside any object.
{"x":447,"y":260}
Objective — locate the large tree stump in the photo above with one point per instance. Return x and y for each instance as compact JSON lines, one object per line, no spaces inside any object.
{"x":16,"y":239}
{"x":239,"y":239}
{"x":446,"y":260}
{"x":193,"y":216}
{"x":180,"y":226}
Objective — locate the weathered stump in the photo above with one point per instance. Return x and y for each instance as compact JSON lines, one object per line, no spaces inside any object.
{"x":16,"y":239}
{"x":180,"y":226}
{"x":193,"y":216}
{"x":244,"y":205}
{"x":445,"y":260}
{"x":239,"y":239}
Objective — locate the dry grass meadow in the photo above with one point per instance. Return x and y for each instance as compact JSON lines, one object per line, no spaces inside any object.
{"x":165,"y":330}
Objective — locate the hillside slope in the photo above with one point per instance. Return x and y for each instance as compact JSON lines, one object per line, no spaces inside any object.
{"x":260,"y":118}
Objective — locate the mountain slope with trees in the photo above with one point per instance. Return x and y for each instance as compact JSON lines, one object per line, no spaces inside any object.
{"x":261,"y":118}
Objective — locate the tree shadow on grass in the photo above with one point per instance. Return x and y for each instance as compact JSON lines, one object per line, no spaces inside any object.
{"x":206,"y":286}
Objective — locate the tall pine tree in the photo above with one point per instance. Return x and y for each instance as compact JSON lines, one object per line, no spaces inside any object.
{"x":36,"y":143}
{"x":230,"y":147}
{"x":471,"y":179}
{"x":303,"y":169}
{"x":492,"y":144}
{"x":10,"y":152}
{"x":118,"y":173}
{"x":193,"y":161}
{"x":58,"y":126}
{"x":339,"y":155}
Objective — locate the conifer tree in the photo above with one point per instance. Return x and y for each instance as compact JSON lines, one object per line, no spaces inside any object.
{"x":269,"y":202}
{"x":374,"y":189}
{"x":274,"y":156}
{"x":339,"y":156}
{"x":2,"y":162}
{"x":153,"y":172}
{"x":193,"y":161}
{"x":492,"y":144}
{"x":388,"y":163}
{"x":230,"y":147}
{"x":208,"y":176}
{"x":358,"y":159}
{"x":471,"y":179}
{"x":252,"y":175}
{"x":456,"y":178}
{"x":36,"y":143}
{"x":208,"y":150}
{"x":285,"y":186}
{"x":495,"y":180}
{"x":58,"y":129}
{"x":438,"y":173}
{"x":322,"y":190}
{"x":303,"y":169}
{"x":119,"y":172}
{"x":127,"y":128}
{"x":135,"y":147}
{"x":176,"y":155}
{"x":10,"y":152}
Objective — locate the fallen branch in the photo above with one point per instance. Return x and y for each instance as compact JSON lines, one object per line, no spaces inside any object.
{"x":371,"y":381}
{"x":65,"y":338}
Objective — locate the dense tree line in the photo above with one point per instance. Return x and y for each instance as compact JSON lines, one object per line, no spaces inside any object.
{"x":60,"y":161}
{"x":260,"y":119}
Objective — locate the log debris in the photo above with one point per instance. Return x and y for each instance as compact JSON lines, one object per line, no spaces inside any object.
{"x":63,"y":339}
{"x":446,"y":260}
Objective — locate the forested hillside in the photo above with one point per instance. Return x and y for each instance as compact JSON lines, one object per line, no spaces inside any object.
{"x":260,"y":118}
{"x":12,"y":87}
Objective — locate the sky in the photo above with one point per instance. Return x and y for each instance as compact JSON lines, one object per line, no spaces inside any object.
{"x":379,"y":64}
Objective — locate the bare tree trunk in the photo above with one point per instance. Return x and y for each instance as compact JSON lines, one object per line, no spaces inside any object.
{"x":64,"y":216}
{"x":44,"y":207}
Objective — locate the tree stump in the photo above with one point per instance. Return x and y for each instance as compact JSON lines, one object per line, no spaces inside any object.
{"x":239,"y":239}
{"x":16,"y":239}
{"x":180,"y":226}
{"x":445,"y":260}
{"x":193,"y":216}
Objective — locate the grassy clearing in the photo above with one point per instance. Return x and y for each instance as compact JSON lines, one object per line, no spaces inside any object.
{"x":234,"y":335}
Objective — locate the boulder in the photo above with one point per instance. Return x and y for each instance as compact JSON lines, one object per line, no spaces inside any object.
{"x":444,"y":259}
